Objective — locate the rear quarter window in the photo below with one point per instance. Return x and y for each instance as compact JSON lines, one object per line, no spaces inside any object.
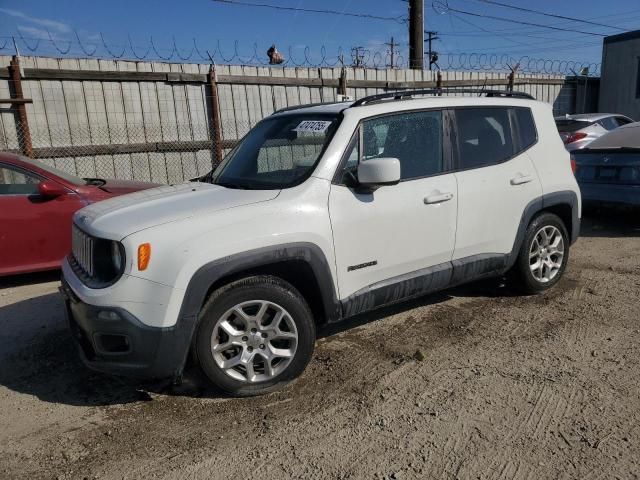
{"x":526,"y":128}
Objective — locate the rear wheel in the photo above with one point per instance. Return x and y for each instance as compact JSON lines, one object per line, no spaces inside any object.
{"x":543,"y":255}
{"x":254,"y":336}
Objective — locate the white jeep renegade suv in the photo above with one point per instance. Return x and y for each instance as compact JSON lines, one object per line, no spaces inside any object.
{"x":319,"y":213}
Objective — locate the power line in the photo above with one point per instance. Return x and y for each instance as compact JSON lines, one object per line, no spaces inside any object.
{"x":446,"y":8}
{"x":520,"y":31}
{"x":487,"y":31}
{"x":312,"y":10}
{"x":547,"y":14}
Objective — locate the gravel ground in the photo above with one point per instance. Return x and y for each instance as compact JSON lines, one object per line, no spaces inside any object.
{"x":476,"y":382}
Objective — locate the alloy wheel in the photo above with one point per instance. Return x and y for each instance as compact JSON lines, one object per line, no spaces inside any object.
{"x":254,"y":341}
{"x":546,"y":254}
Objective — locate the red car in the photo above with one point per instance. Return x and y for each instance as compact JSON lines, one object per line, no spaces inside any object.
{"x":37,"y":203}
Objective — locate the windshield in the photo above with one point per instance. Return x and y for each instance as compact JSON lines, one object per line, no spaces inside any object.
{"x":279,"y":152}
{"x":64,"y":175}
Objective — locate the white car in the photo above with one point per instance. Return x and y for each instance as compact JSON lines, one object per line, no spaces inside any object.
{"x":578,"y":131}
{"x":405,"y":195}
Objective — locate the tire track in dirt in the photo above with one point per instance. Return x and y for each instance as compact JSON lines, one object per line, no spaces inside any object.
{"x":504,"y":379}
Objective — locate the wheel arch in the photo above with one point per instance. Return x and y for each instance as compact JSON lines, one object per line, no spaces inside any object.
{"x":564,"y":204}
{"x":304,"y":265}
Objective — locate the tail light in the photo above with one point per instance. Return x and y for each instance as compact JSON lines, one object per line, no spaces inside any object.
{"x":574,"y":137}
{"x":574,"y":165}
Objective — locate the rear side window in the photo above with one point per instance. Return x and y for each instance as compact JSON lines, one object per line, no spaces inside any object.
{"x":609,"y":123}
{"x":623,"y":121}
{"x":526,"y":128}
{"x":484,"y":136}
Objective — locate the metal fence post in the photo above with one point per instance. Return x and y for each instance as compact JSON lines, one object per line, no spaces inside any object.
{"x":342,"y":82}
{"x":15,"y":88}
{"x":215,"y":114}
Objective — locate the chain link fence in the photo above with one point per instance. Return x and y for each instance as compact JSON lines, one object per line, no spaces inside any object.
{"x":150,"y":153}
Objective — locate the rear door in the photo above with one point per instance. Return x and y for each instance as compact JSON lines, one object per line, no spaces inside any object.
{"x":496,"y":178}
{"x":35,"y":232}
{"x":398,"y":229}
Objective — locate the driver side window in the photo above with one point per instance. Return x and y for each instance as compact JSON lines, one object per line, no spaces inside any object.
{"x":414,"y":138}
{"x":17,"y":182}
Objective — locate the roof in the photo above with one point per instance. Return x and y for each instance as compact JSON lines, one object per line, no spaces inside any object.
{"x":621,"y":37}
{"x":333,"y":107}
{"x":587,"y":117}
{"x":337,"y":107}
{"x":627,"y":136}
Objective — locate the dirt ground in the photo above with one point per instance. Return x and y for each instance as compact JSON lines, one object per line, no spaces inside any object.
{"x":503,"y":386}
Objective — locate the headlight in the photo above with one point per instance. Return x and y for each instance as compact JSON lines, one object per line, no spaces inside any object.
{"x":116,"y":256}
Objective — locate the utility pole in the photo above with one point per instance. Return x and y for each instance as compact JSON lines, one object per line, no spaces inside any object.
{"x":392,"y":45}
{"x":432,"y":36}
{"x":416,"y":34}
{"x":357,"y":54}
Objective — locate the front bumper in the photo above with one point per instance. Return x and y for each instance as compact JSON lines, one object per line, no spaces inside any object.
{"x":112,"y":340}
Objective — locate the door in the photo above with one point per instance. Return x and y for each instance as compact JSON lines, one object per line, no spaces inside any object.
{"x":35,"y":232}
{"x":399,"y":229}
{"x":496,"y":177}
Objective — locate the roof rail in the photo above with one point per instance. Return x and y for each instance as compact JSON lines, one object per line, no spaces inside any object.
{"x":439,"y":91}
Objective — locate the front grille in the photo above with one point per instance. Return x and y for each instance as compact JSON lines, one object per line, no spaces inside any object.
{"x":82,"y":248}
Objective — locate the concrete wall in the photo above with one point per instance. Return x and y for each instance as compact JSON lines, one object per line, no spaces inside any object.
{"x":620,"y":72}
{"x":159,"y":114}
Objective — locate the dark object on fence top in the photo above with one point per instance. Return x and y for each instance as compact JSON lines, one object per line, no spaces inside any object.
{"x":438,"y":91}
{"x":275,"y":57}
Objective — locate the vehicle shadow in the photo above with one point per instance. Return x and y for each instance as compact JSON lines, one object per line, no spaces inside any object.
{"x":30,"y":278}
{"x":610,"y":222}
{"x":38,"y":356}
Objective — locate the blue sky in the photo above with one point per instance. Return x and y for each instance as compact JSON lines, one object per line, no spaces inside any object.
{"x":209,"y":23}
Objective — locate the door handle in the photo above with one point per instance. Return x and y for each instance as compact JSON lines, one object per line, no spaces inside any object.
{"x":438,"y":198}
{"x":520,"y":179}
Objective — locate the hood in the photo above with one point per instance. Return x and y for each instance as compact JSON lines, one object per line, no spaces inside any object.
{"x":119,"y":217}
{"x":120,"y":187}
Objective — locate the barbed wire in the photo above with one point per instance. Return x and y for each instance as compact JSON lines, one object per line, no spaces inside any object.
{"x":503,"y":62}
{"x":293,"y":57}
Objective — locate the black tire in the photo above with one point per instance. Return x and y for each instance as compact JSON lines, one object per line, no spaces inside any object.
{"x":524,"y":277}
{"x":260,"y":288}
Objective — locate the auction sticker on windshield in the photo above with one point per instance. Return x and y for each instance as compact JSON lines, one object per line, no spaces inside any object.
{"x":316,"y":126}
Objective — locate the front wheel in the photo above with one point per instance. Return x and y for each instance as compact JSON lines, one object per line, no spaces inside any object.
{"x":543,"y":255}
{"x":254,"y":336}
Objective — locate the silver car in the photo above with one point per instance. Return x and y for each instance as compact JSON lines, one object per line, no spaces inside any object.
{"x":578,"y":131}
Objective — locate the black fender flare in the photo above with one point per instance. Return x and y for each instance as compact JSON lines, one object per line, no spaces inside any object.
{"x":207,"y":275}
{"x":564,"y":197}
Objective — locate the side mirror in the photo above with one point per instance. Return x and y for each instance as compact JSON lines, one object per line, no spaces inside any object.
{"x":51,"y":189}
{"x":377,"y":172}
